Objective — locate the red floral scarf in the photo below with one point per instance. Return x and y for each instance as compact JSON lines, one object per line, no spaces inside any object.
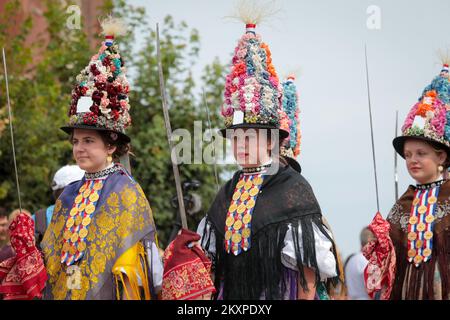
{"x":23,"y":276}
{"x":186,"y":269}
{"x":380,"y":271}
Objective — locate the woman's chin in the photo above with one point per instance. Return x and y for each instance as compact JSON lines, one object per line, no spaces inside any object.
{"x":83,"y":164}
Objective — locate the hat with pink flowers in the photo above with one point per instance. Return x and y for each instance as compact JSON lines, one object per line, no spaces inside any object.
{"x":252,"y":97}
{"x":429,"y":118}
{"x":100,"y":96}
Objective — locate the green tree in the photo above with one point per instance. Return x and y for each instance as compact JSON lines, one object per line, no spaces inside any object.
{"x":40,"y":99}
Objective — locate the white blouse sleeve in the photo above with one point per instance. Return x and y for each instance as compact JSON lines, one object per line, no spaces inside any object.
{"x":207,"y":232}
{"x":324,"y":256}
{"x":155,"y":261}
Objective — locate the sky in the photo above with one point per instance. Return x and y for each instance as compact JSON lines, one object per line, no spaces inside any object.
{"x":325,"y":40}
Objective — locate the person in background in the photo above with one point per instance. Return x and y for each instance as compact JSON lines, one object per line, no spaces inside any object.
{"x":3,"y":226}
{"x":7,"y":250}
{"x":354,"y":270}
{"x":63,"y":177}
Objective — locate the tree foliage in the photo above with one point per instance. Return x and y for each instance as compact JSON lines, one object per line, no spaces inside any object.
{"x":40,"y":100}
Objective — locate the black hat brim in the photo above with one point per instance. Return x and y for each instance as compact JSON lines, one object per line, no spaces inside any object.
{"x":68,"y":129}
{"x":399,"y":144}
{"x":283,"y":133}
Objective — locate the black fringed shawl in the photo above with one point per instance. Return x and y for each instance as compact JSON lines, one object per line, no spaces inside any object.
{"x":285,"y":198}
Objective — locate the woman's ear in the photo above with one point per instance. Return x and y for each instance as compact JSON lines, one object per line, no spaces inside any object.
{"x":111,"y":149}
{"x":443,"y":158}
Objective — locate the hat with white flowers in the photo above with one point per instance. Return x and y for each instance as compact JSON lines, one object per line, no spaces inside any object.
{"x":252,"y":97}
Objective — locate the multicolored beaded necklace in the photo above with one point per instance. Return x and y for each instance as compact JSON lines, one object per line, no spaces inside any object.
{"x":421,"y":222}
{"x":76,"y":228}
{"x":239,"y":216}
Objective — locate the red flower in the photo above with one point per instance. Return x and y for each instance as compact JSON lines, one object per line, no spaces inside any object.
{"x":115,"y":115}
{"x":95,"y":109}
{"x":101,"y":86}
{"x":90,"y":118}
{"x":94,"y":70}
{"x":73,"y":109}
{"x":106,"y":61}
{"x":97,"y":96}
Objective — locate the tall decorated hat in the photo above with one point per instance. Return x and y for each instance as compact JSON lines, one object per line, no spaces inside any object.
{"x":100,"y":96}
{"x":289,"y":121}
{"x":252,"y":97}
{"x":429,"y":118}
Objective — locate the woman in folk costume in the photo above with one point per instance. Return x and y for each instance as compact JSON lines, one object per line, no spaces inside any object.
{"x":264,"y":230}
{"x":101,"y":243}
{"x":290,"y":150}
{"x":419,"y":222}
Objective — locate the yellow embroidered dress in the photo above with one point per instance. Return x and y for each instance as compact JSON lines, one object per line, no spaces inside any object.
{"x":97,"y":236}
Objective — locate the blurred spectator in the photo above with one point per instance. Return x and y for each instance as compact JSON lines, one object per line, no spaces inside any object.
{"x":7,"y":251}
{"x":3,"y":226}
{"x":63,"y":177}
{"x":354,"y":270}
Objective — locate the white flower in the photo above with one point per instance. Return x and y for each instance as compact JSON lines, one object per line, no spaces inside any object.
{"x":249,"y":96}
{"x":428,"y":100}
{"x":235,"y":99}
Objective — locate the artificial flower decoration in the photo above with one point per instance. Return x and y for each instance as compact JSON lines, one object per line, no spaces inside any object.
{"x":100,"y":96}
{"x":291,"y":146}
{"x":429,"y":119}
{"x":252,"y":90}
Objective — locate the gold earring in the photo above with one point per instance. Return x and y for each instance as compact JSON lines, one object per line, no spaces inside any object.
{"x":109,"y":159}
{"x":441,"y":169}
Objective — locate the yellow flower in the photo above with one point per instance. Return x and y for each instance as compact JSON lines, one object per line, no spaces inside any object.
{"x":53,"y":265}
{"x":92,"y":232}
{"x":58,"y":226}
{"x":128,"y":197}
{"x":125,"y":224}
{"x":105,"y":222}
{"x":98,"y":263}
{"x":113,"y":200}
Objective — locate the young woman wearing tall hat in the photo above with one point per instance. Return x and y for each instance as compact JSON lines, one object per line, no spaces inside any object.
{"x":264,"y":230}
{"x":101,"y":243}
{"x":420,"y":219}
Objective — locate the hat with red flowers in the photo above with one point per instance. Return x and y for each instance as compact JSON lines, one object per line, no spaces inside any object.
{"x":100,"y":96}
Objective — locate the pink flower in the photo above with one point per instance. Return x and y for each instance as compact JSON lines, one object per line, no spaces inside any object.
{"x":100,"y":78}
{"x":439,"y":119}
{"x":104,"y":102}
{"x":410,"y":117}
{"x":227,"y":111}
